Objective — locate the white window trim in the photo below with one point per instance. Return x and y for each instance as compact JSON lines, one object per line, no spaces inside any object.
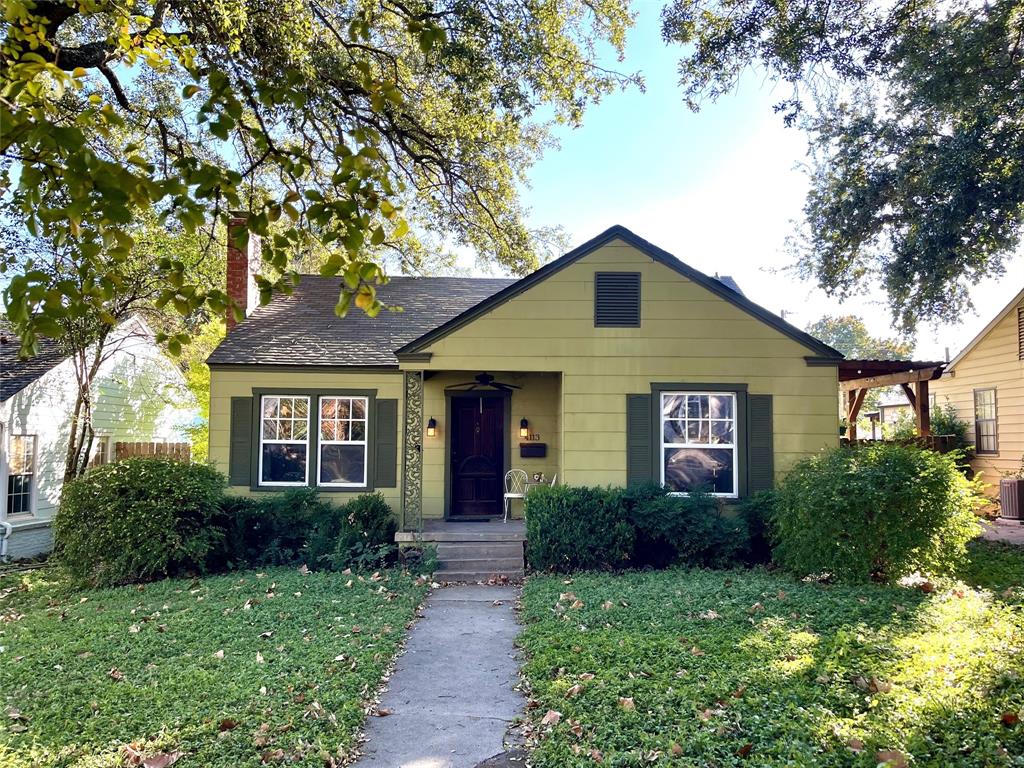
{"x":108,"y":453}
{"x":282,"y":484}
{"x":718,"y":446}
{"x":320,"y":442}
{"x":34,"y":492}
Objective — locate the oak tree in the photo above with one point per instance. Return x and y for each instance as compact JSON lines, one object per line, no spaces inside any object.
{"x":915,"y":117}
{"x":337,"y":125}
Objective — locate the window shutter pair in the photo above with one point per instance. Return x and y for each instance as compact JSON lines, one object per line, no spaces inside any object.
{"x":642,"y":442}
{"x":384,"y":444}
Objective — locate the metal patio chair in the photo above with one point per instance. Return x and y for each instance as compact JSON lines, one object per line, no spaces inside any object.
{"x":515,"y":488}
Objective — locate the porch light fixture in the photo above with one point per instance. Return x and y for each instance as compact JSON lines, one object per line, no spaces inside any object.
{"x":524,"y":428}
{"x":432,"y":427}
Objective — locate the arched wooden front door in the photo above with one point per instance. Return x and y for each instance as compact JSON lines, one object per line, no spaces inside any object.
{"x":477,"y":454}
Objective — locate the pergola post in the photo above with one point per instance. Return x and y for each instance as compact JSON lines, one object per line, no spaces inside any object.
{"x":921,"y":410}
{"x":854,"y":400}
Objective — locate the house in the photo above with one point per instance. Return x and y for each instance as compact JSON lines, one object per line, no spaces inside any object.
{"x":613,"y":364}
{"x":985,"y":385}
{"x":140,"y":396}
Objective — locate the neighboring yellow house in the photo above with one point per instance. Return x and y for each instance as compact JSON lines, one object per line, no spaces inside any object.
{"x":614,"y":364}
{"x":985,"y":383}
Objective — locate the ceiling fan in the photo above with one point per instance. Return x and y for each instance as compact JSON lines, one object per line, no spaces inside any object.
{"x":482,"y":380}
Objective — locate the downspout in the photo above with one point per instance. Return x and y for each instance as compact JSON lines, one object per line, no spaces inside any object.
{"x":7,"y":529}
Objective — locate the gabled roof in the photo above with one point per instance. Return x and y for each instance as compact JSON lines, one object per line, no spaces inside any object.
{"x":648,"y":249}
{"x":302,"y":329}
{"x":985,"y":331}
{"x":15,"y":373}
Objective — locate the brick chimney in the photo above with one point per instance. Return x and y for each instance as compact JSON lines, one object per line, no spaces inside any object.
{"x":243,"y":264}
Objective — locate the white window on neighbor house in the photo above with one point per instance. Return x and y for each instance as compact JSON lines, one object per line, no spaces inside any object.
{"x":342,"y":442}
{"x":284,"y":440}
{"x":986,"y":432}
{"x":698,"y":443}
{"x":101,"y":451}
{"x":21,"y":475}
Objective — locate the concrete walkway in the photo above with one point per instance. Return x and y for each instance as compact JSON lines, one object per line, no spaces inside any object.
{"x":1008,"y":531}
{"x":450,"y":697}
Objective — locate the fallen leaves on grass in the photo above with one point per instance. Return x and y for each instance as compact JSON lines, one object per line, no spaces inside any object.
{"x":891,"y":758}
{"x":551,"y":717}
{"x":134,"y":755}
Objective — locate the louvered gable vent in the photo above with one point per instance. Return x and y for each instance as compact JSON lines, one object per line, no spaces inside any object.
{"x":1020,"y":333}
{"x":617,"y":299}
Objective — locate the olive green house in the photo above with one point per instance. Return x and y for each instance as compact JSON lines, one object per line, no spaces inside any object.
{"x":613,"y":364}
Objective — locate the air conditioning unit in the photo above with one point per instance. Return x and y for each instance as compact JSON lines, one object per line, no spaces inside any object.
{"x":1011,"y":499}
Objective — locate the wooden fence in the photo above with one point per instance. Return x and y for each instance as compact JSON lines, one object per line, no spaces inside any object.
{"x":180,"y":451}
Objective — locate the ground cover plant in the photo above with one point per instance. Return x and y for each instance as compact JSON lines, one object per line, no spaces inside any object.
{"x":729,"y":668}
{"x":245,"y":669}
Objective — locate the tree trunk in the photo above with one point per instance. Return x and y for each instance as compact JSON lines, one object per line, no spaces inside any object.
{"x":81,"y":434}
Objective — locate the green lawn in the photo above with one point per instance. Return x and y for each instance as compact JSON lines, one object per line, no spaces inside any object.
{"x":236,"y":670}
{"x":716,"y":668}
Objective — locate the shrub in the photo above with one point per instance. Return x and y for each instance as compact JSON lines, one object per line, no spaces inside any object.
{"x":576,"y":528}
{"x":273,"y":529}
{"x":138,"y":519}
{"x":363,"y":537}
{"x":301,"y":527}
{"x":643,"y":526}
{"x":874,"y":512}
{"x":756,"y":512}
{"x":688,"y":530}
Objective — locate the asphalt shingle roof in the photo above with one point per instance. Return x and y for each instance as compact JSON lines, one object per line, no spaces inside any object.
{"x":302,"y":329}
{"x":16,"y":374}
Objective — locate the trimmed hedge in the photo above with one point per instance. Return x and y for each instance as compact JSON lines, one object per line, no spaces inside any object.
{"x":138,"y":519}
{"x":570,"y":529}
{"x":874,"y":513}
{"x":299,"y":527}
{"x":147,"y":518}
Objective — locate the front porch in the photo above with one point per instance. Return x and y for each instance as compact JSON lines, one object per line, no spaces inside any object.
{"x":477,"y":551}
{"x":463,"y":431}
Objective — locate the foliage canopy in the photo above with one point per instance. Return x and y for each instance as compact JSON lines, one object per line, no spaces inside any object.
{"x":337,"y":126}
{"x":915,"y":114}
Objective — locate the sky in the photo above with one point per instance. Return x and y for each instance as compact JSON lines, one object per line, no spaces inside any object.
{"x":720,"y":189}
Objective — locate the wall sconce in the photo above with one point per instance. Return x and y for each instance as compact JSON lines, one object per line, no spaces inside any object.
{"x":524,"y":428}
{"x":432,"y":427}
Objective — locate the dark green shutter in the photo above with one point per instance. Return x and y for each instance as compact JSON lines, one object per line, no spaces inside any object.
{"x":639,"y":441}
{"x":760,"y":451}
{"x":385,"y":444}
{"x":240,"y":459}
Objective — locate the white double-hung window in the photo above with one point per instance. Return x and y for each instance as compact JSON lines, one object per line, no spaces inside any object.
{"x":284,"y":440}
{"x":343,"y":424}
{"x":698,"y":442}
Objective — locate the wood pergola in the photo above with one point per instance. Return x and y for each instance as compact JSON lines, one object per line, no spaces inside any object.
{"x":856,"y":377}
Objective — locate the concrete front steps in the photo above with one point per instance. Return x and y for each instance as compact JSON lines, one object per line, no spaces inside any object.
{"x":471,"y":552}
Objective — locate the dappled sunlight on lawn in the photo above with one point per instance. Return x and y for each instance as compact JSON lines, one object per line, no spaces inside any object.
{"x":243,"y":669}
{"x":718,"y":667}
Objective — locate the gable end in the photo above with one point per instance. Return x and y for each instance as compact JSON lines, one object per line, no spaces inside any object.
{"x":648,"y":249}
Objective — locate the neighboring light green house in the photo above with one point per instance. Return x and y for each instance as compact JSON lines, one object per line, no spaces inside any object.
{"x":615,"y":363}
{"x":139,"y":396}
